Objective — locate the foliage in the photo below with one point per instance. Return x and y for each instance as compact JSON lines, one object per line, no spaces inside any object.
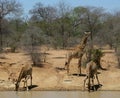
{"x":60,"y":26}
{"x":7,"y":9}
{"x":96,"y":57}
{"x":97,"y":54}
{"x":32,"y":39}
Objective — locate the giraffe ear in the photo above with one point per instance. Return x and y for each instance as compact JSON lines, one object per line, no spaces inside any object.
{"x":87,"y":32}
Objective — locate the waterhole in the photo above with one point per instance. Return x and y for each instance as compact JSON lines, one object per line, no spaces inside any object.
{"x":60,"y":94}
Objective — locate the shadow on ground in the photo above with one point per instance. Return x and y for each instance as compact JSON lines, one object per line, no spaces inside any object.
{"x":58,"y":57}
{"x":96,"y":87}
{"x":75,"y":74}
{"x":59,"y":68}
{"x":29,"y":87}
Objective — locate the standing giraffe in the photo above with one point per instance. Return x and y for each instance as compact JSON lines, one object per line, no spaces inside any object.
{"x":78,"y":52}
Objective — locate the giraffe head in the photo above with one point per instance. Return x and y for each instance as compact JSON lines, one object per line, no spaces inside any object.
{"x":87,"y":33}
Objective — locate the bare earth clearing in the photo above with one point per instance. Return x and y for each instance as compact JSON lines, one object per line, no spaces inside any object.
{"x":52,"y":77}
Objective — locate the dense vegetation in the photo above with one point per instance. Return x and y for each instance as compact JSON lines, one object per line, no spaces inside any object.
{"x":59,"y":26}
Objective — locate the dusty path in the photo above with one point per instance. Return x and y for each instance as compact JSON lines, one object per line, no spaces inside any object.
{"x":49,"y":77}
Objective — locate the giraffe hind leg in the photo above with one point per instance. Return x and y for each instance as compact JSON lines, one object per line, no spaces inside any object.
{"x":79,"y":66}
{"x":66,"y":63}
{"x":89,"y":84}
{"x":93,"y":86}
{"x":85,"y":82}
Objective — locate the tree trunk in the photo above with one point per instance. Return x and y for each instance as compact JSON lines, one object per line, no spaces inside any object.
{"x":1,"y":44}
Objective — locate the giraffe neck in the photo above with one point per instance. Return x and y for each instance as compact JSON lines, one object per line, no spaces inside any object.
{"x":83,"y":43}
{"x":20,"y":75}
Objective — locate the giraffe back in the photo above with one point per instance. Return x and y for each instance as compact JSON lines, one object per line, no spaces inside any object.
{"x":91,"y":69}
{"x":26,"y":70}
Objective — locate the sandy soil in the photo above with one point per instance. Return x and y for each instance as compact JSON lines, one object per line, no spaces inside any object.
{"x":52,"y":76}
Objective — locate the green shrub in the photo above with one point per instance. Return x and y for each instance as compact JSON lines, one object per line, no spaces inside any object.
{"x":96,"y":54}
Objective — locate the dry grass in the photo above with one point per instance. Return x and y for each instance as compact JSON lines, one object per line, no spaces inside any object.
{"x":52,"y":77}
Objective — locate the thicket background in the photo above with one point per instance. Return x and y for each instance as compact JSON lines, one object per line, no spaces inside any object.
{"x":59,"y":26}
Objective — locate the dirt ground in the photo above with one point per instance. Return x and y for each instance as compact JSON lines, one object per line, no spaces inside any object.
{"x":52,"y":76}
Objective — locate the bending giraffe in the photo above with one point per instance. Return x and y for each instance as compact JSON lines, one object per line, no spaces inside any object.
{"x":78,"y":52}
{"x":91,"y":72}
{"x":25,"y":73}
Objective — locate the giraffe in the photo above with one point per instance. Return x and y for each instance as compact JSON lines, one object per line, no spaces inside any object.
{"x":78,"y":52}
{"x":91,"y":71}
{"x":25,"y":73}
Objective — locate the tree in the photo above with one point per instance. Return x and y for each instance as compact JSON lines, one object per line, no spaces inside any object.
{"x":64,"y":23}
{"x":32,"y":39}
{"x":55,"y":22}
{"x":7,"y":7}
{"x":110,"y":30}
{"x":89,"y":19}
{"x":43,"y":16}
{"x":116,"y":31}
{"x":17,"y":28}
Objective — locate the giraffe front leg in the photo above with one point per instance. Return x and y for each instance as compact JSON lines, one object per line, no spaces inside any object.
{"x":26,"y":86}
{"x":79,"y":66}
{"x":24,"y":82}
{"x":67,"y":69}
{"x":31,"y":80}
{"x":68,"y":64}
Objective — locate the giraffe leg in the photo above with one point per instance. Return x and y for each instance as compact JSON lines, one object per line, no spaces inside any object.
{"x":27,"y":82}
{"x":89,"y":85}
{"x":85,"y":82}
{"x":67,"y":69}
{"x":68,"y":63}
{"x":93,"y":83}
{"x":79,"y":65}
{"x":26,"y":86}
{"x":24,"y":82}
{"x":97,"y":79}
{"x":31,"y":80}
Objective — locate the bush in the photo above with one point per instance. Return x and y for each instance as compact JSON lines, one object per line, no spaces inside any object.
{"x":96,"y":54}
{"x":96,"y":57}
{"x":36,"y":58}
